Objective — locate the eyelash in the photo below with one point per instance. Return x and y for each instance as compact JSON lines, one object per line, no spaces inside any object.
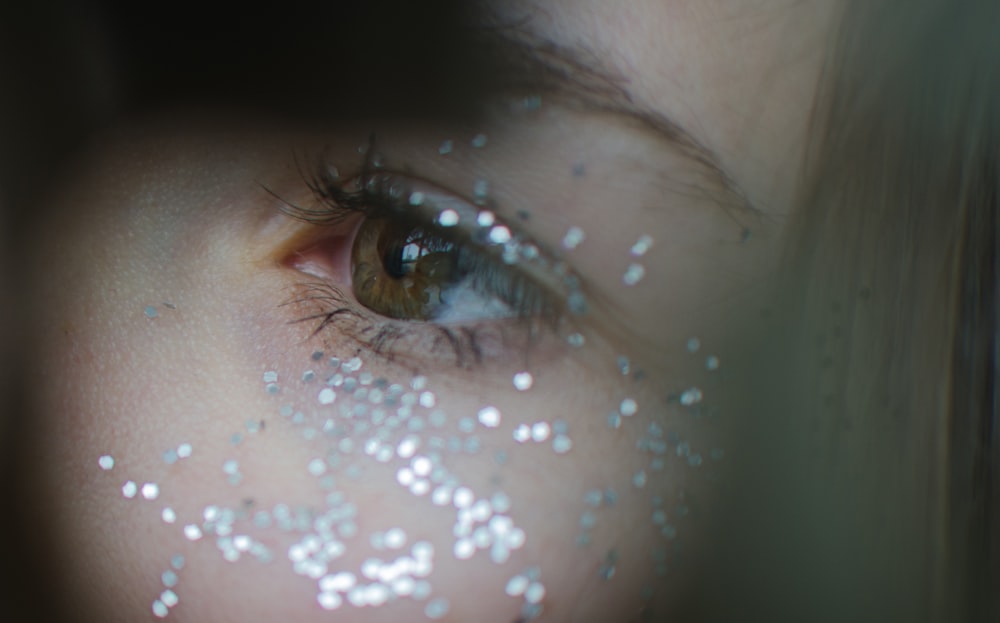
{"x":376,"y":194}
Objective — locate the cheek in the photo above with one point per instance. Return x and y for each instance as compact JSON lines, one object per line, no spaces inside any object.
{"x":259,"y":475}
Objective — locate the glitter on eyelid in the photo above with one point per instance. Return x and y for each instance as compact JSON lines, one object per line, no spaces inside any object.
{"x":712,"y":363}
{"x":523,"y":381}
{"x":574,"y":236}
{"x":270,"y":376}
{"x":427,"y":399}
{"x":628,"y":407}
{"x":177,"y":562}
{"x":329,"y":601}
{"x":489,"y":417}
{"x":485,"y":219}
{"x":168,"y":515}
{"x":642,"y":245}
{"x":540,"y":431}
{"x":184,"y":450}
{"x":479,"y":141}
{"x":416,"y":198}
{"x":106,"y":462}
{"x":448,"y":218}
{"x":499,"y":234}
{"x":693,"y":344}
{"x":192,"y":532}
{"x":151,"y":312}
{"x":169,"y":578}
{"x":575,"y":340}
{"x":535,"y":593}
{"x":634,"y":274}
{"x":129,"y":489}
{"x":150,"y":491}
{"x":522,"y":433}
{"x":169,"y":598}
{"x":639,"y":479}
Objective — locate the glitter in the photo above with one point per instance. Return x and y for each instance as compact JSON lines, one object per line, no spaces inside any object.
{"x":499,"y":234}
{"x":329,"y":601}
{"x":151,"y":312}
{"x":271,"y":388}
{"x":448,"y":218}
{"x":633,"y":274}
{"x":669,"y":531}
{"x":535,"y":593}
{"x":405,"y":476}
{"x":614,"y":420}
{"x":562,"y":444}
{"x":485,"y":219}
{"x":587,"y":520}
{"x":169,"y":578}
{"x":717,"y":454}
{"x":184,"y":450}
{"x":352,"y":365}
{"x":540,"y":431}
{"x":422,"y":466}
{"x":416,"y":198}
{"x":593,"y":497}
{"x":159,"y":609}
{"x":467,"y":425}
{"x":694,"y":460}
{"x":192,"y":532}
{"x":270,"y":376}
{"x":693,"y":344}
{"x":168,"y":515}
{"x":437,"y":608}
{"x":418,"y":382}
{"x":523,"y":381}
{"x":427,"y":399}
{"x":376,"y":594}
{"x":691,"y":396}
{"x":129,"y":489}
{"x":150,"y":491}
{"x":463,"y":497}
{"x":327,"y":396}
{"x":177,"y":562}
{"x":231,"y":467}
{"x":464,"y":549}
{"x":574,"y":236}
{"x":317,"y":467}
{"x":628,"y":407}
{"x":170,"y":456}
{"x":106,"y":462}
{"x":317,"y":355}
{"x":576,"y":340}
{"x":169,"y":598}
{"x":500,"y":502}
{"x":339,"y":582}
{"x":446,"y":148}
{"x":420,"y":487}
{"x":639,"y":479}
{"x":308,"y":376}
{"x":576,"y":302}
{"x":712,"y":363}
{"x":479,"y":140}
{"x":489,"y":417}
{"x":516,"y":538}
{"x":395,"y":538}
{"x":642,"y":245}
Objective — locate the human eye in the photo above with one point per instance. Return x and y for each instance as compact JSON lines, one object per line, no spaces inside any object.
{"x":395,"y":260}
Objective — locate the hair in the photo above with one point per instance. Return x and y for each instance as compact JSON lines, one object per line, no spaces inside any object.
{"x":871,"y":448}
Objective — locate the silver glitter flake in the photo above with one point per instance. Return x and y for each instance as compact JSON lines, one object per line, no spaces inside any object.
{"x":628,"y":407}
{"x":446,"y":148}
{"x":437,"y":608}
{"x":479,"y":141}
{"x":693,"y":345}
{"x":633,"y":274}
{"x":523,"y":381}
{"x":106,"y":462}
{"x":712,"y":363}
{"x":448,"y":218}
{"x":642,"y":245}
{"x":489,"y":417}
{"x":129,"y":489}
{"x":151,"y":312}
{"x":184,"y":450}
{"x":574,"y":236}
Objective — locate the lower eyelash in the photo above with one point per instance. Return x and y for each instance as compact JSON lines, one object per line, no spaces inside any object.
{"x":328,"y":307}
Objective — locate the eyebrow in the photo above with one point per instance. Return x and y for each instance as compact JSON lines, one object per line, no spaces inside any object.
{"x":527,"y":61}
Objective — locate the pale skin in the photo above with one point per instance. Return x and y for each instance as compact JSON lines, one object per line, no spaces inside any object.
{"x":175,"y":211}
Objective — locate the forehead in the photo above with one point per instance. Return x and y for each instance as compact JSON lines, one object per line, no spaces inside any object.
{"x":739,"y":77}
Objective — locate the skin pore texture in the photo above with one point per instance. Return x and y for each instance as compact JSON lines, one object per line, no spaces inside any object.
{"x":212,"y":454}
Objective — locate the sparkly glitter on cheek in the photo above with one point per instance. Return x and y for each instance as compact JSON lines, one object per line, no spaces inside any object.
{"x":403,"y":436}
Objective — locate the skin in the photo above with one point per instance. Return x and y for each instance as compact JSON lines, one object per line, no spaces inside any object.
{"x":172,"y":209}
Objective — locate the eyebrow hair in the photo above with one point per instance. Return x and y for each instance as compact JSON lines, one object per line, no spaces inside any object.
{"x":578,"y":75}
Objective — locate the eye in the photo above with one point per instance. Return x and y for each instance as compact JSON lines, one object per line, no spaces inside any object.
{"x":414,"y":255}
